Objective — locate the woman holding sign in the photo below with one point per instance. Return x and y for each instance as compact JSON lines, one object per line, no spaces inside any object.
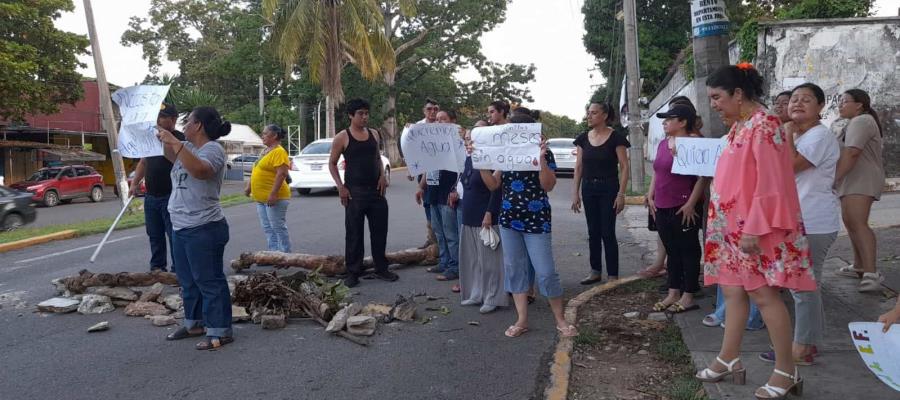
{"x":200,"y":231}
{"x":602,"y":154}
{"x":755,"y":243}
{"x":525,"y":233}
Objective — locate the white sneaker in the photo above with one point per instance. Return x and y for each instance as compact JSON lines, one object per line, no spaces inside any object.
{"x":849,"y":271}
{"x":871,"y":282}
{"x":468,"y":302}
{"x":487,"y":309}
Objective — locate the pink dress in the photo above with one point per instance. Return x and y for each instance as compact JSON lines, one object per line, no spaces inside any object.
{"x":754,"y":192}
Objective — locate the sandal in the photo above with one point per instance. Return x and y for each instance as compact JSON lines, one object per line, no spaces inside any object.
{"x":531,"y":299}
{"x":711,"y":321}
{"x":455,"y":288}
{"x":660,"y":306}
{"x":849,"y":271}
{"x":515,"y":331}
{"x":738,"y":375}
{"x":775,"y":392}
{"x":568,"y":331}
{"x":184,"y":333}
{"x":870,"y":282}
{"x":447,"y":276}
{"x":678,"y":308}
{"x":213,"y":342}
{"x":435,"y":270}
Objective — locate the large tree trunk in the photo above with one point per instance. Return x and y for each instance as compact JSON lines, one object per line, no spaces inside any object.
{"x":389,"y":127}
{"x":85,"y":279}
{"x":330,"y":265}
{"x":329,"y":117}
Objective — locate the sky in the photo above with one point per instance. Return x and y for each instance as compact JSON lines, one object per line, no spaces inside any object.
{"x":547,"y":34}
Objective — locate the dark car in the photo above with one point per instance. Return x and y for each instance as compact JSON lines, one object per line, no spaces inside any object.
{"x":53,"y":185}
{"x":16,"y":209}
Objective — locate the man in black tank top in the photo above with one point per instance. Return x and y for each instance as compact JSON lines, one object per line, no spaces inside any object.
{"x":361,"y":192}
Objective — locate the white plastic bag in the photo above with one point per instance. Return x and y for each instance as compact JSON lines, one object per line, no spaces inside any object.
{"x":490,"y":238}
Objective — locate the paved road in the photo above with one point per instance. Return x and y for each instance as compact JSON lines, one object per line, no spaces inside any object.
{"x":51,"y":356}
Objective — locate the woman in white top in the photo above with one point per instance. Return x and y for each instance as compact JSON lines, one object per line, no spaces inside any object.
{"x":816,"y":154}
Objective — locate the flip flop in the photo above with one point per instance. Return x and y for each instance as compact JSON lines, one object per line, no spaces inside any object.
{"x":678,"y":308}
{"x":455,"y":288}
{"x":660,"y":306}
{"x":568,"y":331}
{"x":183,"y":333}
{"x":435,"y":270}
{"x":213,"y":342}
{"x":515,"y":331}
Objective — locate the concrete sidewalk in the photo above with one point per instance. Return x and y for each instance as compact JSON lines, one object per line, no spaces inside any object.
{"x":839,"y":372}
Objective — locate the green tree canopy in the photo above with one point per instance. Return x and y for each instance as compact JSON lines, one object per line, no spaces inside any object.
{"x":38,"y":61}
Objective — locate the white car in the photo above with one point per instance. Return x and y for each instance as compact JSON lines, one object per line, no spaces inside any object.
{"x":309,"y":169}
{"x":564,"y":151}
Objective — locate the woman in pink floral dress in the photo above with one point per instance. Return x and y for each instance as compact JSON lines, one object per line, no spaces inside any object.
{"x":755,"y":242}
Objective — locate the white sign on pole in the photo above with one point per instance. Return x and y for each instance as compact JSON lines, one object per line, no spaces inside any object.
{"x":709,"y":18}
{"x":433,"y":147}
{"x":139,"y":107}
{"x":878,"y":350}
{"x":697,"y":156}
{"x":509,"y":147}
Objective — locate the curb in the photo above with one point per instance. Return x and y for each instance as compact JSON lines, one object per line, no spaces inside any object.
{"x":561,"y":368}
{"x":21,"y":244}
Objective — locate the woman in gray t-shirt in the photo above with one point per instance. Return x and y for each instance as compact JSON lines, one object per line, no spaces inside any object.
{"x":200,"y":231}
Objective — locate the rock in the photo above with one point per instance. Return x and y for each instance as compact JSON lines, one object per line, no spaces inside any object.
{"x":145,"y":308}
{"x":161,"y":320}
{"x":405,"y":310}
{"x":233,"y":280}
{"x":95,"y":304}
{"x":174,"y":302}
{"x":178,"y":314}
{"x":121,"y":303}
{"x":58,"y":305}
{"x":362,"y":325}
{"x":273,"y":321}
{"x":102,"y":326}
{"x":339,"y":321}
{"x":153,"y":293}
{"x":59,"y":285}
{"x":377,"y":310}
{"x":238,"y":314}
{"x":115,"y":293}
{"x":643,"y":352}
{"x":657,"y":316}
{"x":256,"y":316}
{"x":631,"y":315}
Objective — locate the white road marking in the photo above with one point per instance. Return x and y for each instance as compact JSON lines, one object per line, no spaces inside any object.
{"x":51,"y":255}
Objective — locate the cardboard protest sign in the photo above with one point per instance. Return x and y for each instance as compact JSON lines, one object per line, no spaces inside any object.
{"x":697,"y":156}
{"x":139,"y":106}
{"x":433,"y":147}
{"x":878,"y":350}
{"x":510,"y":147}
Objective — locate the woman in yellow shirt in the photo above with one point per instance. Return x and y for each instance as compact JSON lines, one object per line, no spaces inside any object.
{"x":269,"y":190}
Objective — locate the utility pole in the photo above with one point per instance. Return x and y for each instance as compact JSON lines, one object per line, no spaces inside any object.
{"x":709,"y":24}
{"x":106,"y":109}
{"x":633,"y":73}
{"x":262,"y":101}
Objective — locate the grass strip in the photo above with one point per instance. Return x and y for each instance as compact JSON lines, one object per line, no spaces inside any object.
{"x":132,"y":218}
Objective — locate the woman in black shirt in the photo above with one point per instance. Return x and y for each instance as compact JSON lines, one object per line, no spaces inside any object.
{"x":601,"y":155}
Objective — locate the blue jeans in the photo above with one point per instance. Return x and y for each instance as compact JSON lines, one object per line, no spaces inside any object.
{"x":446,"y":229}
{"x":521,"y":249}
{"x":598,"y":196}
{"x":159,"y":226}
{"x":273,"y":225}
{"x":199,"y":264}
{"x":754,"y":320}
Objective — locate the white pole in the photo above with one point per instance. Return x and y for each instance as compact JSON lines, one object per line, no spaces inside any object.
{"x":111,"y":227}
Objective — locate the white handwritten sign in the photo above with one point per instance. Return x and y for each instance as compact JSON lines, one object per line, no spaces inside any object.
{"x":697,"y":156}
{"x":433,"y":147}
{"x":878,"y":350}
{"x":510,"y":147}
{"x":139,"y":107}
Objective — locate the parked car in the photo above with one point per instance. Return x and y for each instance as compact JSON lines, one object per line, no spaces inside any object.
{"x":54,"y":185}
{"x":309,"y":169}
{"x":141,"y":191}
{"x":243,"y":162}
{"x":565,"y":152}
{"x":16,"y":209}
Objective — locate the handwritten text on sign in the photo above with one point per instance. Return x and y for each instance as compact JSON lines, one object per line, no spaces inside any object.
{"x":697,"y":156}
{"x":433,"y":147}
{"x":510,"y":147}
{"x":878,"y":350}
{"x":139,"y":107}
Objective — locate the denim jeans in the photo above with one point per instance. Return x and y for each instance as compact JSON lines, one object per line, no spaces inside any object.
{"x":598,"y":196}
{"x":521,"y":249}
{"x":272,"y":219}
{"x":158,"y":226}
{"x":808,"y":310}
{"x":199,"y":264}
{"x":445,"y":224}
{"x":754,"y":320}
{"x":365,"y":204}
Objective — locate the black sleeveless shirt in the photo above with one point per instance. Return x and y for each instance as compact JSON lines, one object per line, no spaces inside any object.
{"x":362,"y":161}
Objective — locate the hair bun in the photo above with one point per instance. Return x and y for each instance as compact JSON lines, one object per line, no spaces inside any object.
{"x":225,"y":129}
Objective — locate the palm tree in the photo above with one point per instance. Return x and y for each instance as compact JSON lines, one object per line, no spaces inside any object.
{"x":327,"y":35}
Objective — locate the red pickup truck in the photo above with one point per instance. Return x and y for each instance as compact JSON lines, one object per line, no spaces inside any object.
{"x":53,"y":185}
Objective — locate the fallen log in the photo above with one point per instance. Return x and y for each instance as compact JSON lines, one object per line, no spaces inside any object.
{"x":330,"y":265}
{"x":85,"y":279}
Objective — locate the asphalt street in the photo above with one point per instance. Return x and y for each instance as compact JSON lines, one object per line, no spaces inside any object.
{"x":48,"y":356}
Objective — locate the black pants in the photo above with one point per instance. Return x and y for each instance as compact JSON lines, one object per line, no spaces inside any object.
{"x":365,"y":204}
{"x":682,"y":243}
{"x":598,"y":196}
